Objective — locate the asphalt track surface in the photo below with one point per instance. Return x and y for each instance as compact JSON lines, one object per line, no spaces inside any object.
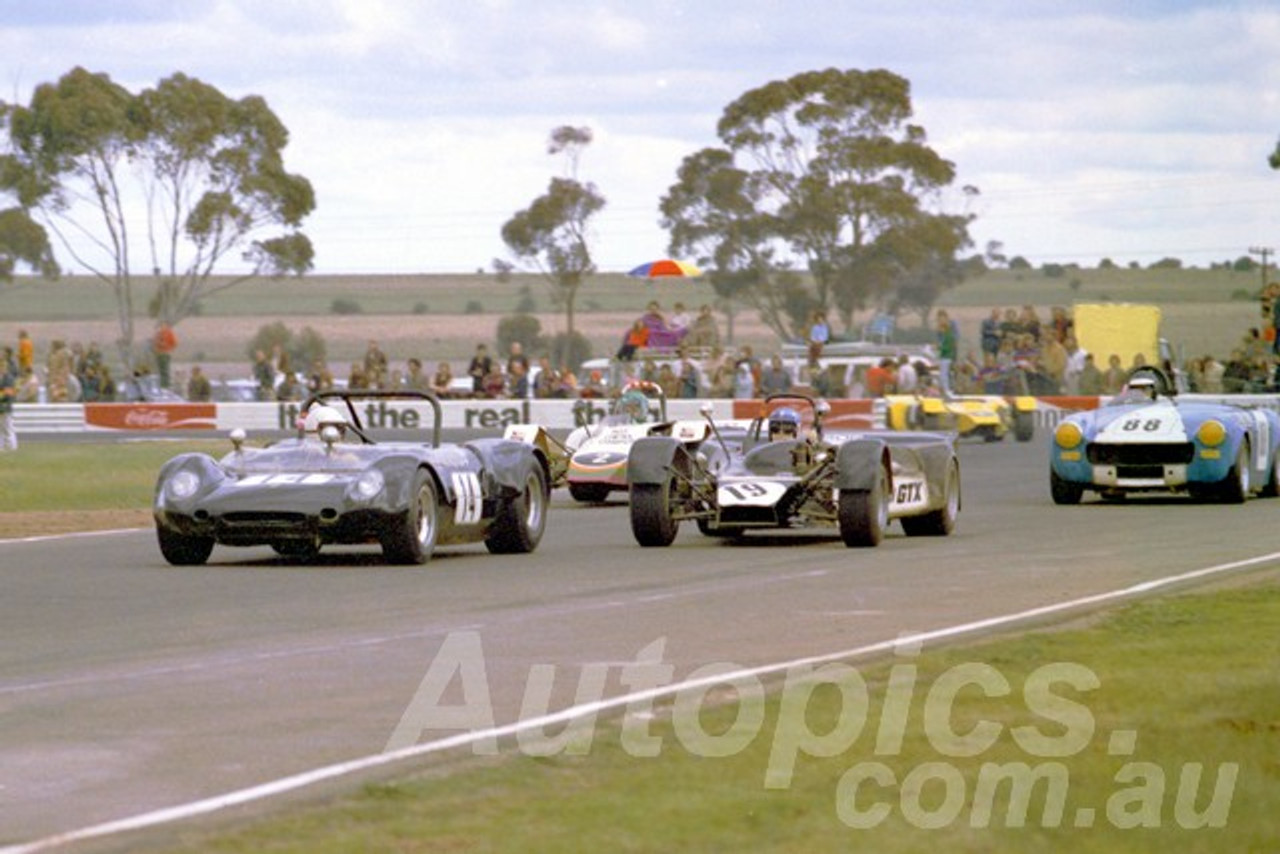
{"x":127,"y":685}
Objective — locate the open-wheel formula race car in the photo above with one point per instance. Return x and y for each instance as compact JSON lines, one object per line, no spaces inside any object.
{"x":335,"y":484}
{"x":989,"y":416}
{"x":592,"y":460}
{"x":786,"y":471}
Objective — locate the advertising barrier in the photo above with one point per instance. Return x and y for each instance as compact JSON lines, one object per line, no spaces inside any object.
{"x":480,"y":415}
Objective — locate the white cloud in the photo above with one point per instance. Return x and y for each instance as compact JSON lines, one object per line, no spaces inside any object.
{"x":1091,"y":129}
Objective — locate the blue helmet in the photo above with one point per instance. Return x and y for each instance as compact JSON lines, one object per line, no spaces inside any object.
{"x":784,"y":421}
{"x":635,"y":405}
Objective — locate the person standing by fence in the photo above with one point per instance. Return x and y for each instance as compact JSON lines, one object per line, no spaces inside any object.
{"x":946,"y":349}
{"x":8,"y":391}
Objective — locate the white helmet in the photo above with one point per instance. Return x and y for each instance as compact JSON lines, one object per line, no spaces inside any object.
{"x":319,"y":416}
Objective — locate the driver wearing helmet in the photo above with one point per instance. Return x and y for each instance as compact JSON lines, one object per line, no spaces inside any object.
{"x":635,"y":406}
{"x":1140,"y":388}
{"x":784,"y":423}
{"x":319,"y":417}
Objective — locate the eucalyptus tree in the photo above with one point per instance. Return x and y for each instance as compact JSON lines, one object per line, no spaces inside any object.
{"x":173,"y":181}
{"x":23,"y":243}
{"x":711,"y":216}
{"x":844,"y":188}
{"x":552,"y":235}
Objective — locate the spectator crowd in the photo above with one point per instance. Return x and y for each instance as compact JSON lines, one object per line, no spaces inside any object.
{"x":1017,"y":352}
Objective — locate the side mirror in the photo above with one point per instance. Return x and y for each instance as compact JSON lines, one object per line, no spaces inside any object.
{"x":706,"y":409}
{"x":237,"y":437}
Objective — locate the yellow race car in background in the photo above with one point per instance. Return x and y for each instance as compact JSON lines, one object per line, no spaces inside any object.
{"x":987,"y":415}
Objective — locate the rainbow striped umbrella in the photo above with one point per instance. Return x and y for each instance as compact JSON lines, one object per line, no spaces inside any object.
{"x":665,"y":268}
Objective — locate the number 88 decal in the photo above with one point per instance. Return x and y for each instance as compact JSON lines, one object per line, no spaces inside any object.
{"x":1133,"y":425}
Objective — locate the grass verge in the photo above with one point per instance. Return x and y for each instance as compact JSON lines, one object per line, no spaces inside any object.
{"x":71,"y":477}
{"x":1155,"y":729}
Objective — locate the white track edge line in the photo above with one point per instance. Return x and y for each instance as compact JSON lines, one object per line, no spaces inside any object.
{"x":329,"y":772}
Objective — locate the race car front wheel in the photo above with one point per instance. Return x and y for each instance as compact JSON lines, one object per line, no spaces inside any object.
{"x":412,"y":538}
{"x":183,"y":549}
{"x":864,"y":513}
{"x":1064,"y":491}
{"x":651,"y":520}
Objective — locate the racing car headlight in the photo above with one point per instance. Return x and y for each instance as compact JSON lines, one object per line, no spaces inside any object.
{"x":368,"y":484}
{"x":1212,"y":433}
{"x":182,"y":485}
{"x":1068,"y":435}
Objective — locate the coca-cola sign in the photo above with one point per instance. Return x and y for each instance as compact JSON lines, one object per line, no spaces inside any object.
{"x":151,"y":416}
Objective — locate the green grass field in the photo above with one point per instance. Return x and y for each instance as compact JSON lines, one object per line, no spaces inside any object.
{"x":1170,"y":743}
{"x":51,"y":476}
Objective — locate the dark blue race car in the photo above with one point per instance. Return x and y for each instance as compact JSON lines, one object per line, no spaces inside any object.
{"x":336,"y":484}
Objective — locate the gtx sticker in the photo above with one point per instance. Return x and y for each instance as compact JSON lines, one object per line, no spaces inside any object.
{"x":908,"y":494}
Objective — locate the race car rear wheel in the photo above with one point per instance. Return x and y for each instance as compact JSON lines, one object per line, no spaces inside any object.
{"x":589,"y":493}
{"x":1024,"y":426}
{"x":940,"y":522}
{"x":651,"y":520}
{"x":412,"y":538}
{"x":521,"y":519}
{"x":183,"y":549}
{"x":1064,"y":491}
{"x":864,"y":513}
{"x":1234,"y":488}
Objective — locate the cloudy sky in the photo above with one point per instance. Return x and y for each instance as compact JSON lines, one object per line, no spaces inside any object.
{"x":1132,"y":130}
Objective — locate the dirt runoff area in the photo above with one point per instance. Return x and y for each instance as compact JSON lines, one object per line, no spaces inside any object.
{"x":43,"y":523}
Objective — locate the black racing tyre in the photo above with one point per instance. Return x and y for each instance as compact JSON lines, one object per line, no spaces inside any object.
{"x":1024,"y":426}
{"x":412,"y":538}
{"x":297,"y":549}
{"x":864,"y":513}
{"x":1064,"y":491}
{"x":1235,"y":487}
{"x":940,"y":522}
{"x":521,"y":519}
{"x":652,"y":523}
{"x":183,"y":549}
{"x":589,"y":493}
{"x":1272,"y":487}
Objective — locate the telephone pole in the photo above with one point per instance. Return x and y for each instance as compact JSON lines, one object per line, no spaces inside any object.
{"x":1264,"y":252}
